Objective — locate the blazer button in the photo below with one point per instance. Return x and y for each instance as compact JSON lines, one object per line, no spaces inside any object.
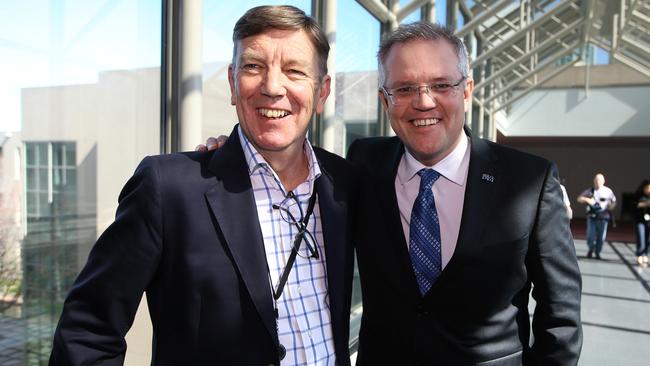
{"x":422,"y":311}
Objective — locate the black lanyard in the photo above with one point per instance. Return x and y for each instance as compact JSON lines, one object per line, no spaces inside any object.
{"x":301,"y":225}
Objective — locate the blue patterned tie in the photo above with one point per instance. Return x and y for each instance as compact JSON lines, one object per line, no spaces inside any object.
{"x":424,"y":242}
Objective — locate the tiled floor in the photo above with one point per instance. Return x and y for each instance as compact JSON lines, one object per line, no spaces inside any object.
{"x":615,"y":307}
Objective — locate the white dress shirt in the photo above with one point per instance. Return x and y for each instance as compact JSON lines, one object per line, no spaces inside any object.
{"x":448,"y":192}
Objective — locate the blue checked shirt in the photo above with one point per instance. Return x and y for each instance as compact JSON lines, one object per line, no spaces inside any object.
{"x":304,"y":323}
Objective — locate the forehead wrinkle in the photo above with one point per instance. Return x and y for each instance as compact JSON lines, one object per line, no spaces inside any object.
{"x":286,"y":58}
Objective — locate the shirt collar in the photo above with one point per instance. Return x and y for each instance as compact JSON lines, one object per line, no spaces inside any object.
{"x":448,"y":167}
{"x":255,"y":161}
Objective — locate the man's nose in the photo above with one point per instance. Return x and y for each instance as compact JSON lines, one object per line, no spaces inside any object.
{"x":424,"y":99}
{"x":274,"y":84}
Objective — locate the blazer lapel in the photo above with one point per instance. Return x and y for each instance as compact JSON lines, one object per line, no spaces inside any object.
{"x":233,"y":205}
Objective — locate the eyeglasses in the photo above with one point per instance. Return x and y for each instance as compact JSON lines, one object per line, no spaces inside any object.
{"x":406,"y":93}
{"x":291,"y":203}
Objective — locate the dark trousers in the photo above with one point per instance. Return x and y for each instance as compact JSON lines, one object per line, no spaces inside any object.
{"x":596,"y":233}
{"x":642,"y":238}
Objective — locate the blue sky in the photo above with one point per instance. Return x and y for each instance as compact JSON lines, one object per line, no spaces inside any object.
{"x":62,"y":42}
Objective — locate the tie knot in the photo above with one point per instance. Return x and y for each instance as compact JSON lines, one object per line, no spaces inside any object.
{"x":427,"y":177}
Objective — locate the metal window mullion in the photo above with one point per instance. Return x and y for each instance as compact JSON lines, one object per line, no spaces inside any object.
{"x":181,"y":79}
{"x":50,"y":185}
{"x":168,"y":114}
{"x":327,"y":18}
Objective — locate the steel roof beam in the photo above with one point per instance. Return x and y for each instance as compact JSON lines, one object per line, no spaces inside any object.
{"x":480,"y":18}
{"x":549,"y":61}
{"x":533,"y":87}
{"x":499,"y":48}
{"x":537,"y":49}
{"x":377,"y":9}
{"x":409,"y":8}
{"x":633,"y":64}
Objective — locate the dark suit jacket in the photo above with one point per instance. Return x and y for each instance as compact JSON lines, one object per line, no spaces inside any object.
{"x":186,"y":232}
{"x":514,"y":232}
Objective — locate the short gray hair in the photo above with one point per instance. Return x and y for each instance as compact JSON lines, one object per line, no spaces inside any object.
{"x":422,"y":31}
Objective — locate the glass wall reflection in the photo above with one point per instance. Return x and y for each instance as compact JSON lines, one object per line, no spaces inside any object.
{"x":80,"y":100}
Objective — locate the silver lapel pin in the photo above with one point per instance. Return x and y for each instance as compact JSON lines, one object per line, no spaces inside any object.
{"x":487,"y":178}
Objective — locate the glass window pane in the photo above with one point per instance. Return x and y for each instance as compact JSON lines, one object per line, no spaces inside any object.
{"x":31,"y":198}
{"x":41,"y":184}
{"x":30,"y":178}
{"x":70,"y":154}
{"x":57,"y":154}
{"x":30,"y":158}
{"x":83,"y":76}
{"x":356,"y":74}
{"x":57,"y":179}
{"x":71,"y":180}
{"x":43,"y":205}
{"x":41,"y":154}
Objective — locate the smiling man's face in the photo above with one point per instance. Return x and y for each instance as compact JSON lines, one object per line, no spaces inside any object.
{"x":429,"y":125}
{"x":276,"y":86}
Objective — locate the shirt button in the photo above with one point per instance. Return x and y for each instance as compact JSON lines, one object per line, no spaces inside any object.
{"x":309,"y":334}
{"x":299,"y":289}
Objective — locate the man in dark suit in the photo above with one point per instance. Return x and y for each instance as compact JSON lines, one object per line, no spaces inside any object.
{"x":456,"y":230}
{"x":244,"y":253}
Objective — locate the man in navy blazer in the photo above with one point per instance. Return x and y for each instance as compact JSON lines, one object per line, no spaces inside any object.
{"x":500,"y":227}
{"x":210,"y":236}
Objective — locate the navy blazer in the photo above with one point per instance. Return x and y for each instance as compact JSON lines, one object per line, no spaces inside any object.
{"x":514,"y":232}
{"x":187,"y":232}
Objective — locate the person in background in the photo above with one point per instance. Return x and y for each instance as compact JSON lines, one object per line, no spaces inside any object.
{"x":600,"y":201}
{"x":642,"y":221}
{"x":567,"y":202}
{"x":245,"y":253}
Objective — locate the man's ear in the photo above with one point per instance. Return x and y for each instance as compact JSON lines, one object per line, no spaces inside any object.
{"x":467,"y":94}
{"x":323,"y":93}
{"x":233,"y":86}
{"x":384,"y":100}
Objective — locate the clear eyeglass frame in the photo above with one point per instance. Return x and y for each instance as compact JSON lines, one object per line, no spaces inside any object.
{"x":406,"y":93}
{"x":309,"y":247}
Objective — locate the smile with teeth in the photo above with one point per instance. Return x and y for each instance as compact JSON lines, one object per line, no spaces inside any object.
{"x":425,"y":121}
{"x":272,"y":113}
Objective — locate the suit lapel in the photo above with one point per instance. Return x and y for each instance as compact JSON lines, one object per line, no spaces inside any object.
{"x":233,"y":205}
{"x":334,"y":220}
{"x":396,"y":243}
{"x":480,"y":194}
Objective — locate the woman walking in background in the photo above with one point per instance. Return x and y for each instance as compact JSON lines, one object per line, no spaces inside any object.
{"x":642,"y":221}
